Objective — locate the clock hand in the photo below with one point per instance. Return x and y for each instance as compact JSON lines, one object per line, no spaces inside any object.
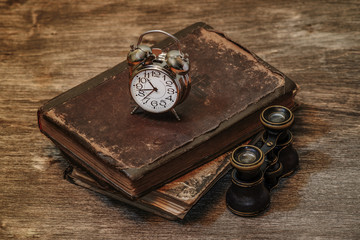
{"x":149,"y":93}
{"x":152,"y":85}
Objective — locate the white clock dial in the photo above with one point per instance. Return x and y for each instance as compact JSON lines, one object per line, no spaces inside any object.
{"x":154,"y":91}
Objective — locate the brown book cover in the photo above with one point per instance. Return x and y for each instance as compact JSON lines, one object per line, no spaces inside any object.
{"x":137,"y":153}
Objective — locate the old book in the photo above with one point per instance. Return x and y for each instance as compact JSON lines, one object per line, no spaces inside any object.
{"x":171,"y":201}
{"x":137,"y":153}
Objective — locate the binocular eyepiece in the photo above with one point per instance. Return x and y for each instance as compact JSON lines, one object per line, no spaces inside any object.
{"x":259,"y":165}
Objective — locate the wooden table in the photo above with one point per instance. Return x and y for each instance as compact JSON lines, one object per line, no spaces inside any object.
{"x":47,"y":47}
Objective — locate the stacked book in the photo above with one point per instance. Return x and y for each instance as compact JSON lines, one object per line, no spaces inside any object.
{"x":155,"y":162}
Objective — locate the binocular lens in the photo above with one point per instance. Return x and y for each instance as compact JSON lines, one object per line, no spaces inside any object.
{"x":277,"y":117}
{"x":247,"y":157}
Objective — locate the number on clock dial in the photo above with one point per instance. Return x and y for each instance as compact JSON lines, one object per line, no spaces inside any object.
{"x":154,"y":91}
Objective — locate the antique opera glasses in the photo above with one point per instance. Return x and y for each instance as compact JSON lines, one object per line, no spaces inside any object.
{"x":260,"y":165}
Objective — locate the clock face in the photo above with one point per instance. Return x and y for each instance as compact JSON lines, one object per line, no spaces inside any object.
{"x":154,"y":90}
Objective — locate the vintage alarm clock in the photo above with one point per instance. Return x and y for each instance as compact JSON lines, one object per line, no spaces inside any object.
{"x":159,"y":80}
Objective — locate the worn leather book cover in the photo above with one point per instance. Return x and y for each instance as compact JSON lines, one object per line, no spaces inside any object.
{"x":137,"y":153}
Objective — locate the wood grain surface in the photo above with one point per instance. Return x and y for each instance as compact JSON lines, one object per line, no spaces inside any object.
{"x":47,"y":47}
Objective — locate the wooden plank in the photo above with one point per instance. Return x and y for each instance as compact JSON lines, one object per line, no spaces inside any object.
{"x":49,"y":47}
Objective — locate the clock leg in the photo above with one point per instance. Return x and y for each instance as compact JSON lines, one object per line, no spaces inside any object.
{"x":134,"y":110}
{"x":176,"y":115}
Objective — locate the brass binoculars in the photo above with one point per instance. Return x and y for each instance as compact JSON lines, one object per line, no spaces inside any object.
{"x":259,"y":165}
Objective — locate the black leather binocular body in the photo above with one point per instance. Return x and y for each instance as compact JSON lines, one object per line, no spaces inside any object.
{"x":259,"y":165}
